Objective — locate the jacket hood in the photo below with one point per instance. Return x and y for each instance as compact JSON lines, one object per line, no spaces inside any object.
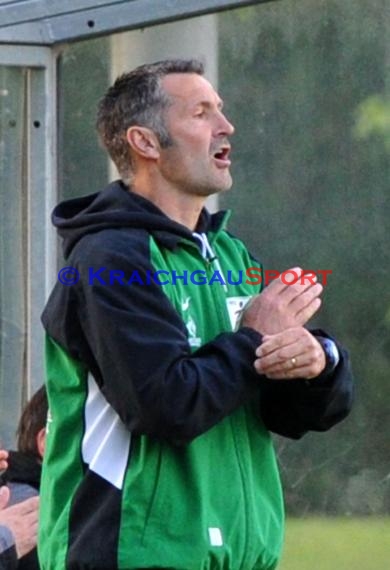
{"x":116,"y":206}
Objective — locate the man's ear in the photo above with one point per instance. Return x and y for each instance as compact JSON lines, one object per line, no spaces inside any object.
{"x":40,"y":439}
{"x":143,"y":142}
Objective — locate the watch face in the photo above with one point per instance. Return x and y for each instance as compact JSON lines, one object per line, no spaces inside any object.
{"x":331,"y":351}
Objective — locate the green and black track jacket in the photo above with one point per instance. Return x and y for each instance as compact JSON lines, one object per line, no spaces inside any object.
{"x":159,"y":452}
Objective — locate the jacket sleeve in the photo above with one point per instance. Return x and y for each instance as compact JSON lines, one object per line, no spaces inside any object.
{"x":293,"y":407}
{"x":8,"y":558}
{"x":135,"y":344}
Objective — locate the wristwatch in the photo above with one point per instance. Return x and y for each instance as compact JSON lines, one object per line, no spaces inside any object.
{"x":332,"y":354}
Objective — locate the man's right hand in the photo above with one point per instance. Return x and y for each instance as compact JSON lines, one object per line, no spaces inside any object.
{"x":279,"y":306}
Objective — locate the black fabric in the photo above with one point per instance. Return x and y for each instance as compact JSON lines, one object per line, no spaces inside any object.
{"x":168,"y":393}
{"x":171,"y":393}
{"x":29,"y":561}
{"x":23,"y":468}
{"x":295,"y":406}
{"x":117,"y":207}
{"x":95,"y":512}
{"x":8,"y":560}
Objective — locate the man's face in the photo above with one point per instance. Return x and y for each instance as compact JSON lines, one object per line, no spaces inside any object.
{"x":198,"y":160}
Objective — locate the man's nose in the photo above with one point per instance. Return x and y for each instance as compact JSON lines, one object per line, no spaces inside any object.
{"x":225,"y":126}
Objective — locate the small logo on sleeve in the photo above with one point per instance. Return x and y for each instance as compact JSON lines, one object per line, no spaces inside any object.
{"x":215,"y":536}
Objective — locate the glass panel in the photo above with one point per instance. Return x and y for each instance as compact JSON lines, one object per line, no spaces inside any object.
{"x":83,"y":77}
{"x":85,"y":72}
{"x":307,"y":85}
{"x":12,"y":248}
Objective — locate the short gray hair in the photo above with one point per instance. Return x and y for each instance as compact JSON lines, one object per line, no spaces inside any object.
{"x":137,"y":98}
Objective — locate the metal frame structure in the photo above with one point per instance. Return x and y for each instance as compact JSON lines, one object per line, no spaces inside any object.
{"x":49,"y":22}
{"x":40,"y":188}
{"x":31,"y":34}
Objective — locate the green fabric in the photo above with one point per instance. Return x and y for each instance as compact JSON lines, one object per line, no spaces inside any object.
{"x":240,"y":507}
{"x":61,"y":451}
{"x":236,"y":517}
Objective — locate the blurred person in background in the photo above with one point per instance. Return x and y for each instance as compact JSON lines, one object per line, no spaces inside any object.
{"x":18,"y":531}
{"x":23,"y":473}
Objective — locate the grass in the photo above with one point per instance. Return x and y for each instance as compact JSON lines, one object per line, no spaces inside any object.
{"x":337,"y":544}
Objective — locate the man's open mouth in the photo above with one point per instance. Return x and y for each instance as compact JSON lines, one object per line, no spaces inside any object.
{"x":222,"y":155}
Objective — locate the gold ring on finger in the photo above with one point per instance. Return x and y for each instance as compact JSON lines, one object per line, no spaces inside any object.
{"x":293,"y":361}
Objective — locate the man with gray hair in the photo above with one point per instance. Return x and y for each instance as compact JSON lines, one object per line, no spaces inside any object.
{"x":164,"y":383}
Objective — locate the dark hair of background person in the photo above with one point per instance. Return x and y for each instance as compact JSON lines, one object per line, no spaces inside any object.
{"x":32,"y":420}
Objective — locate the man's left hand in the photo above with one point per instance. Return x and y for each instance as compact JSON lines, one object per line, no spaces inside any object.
{"x":292,"y":353}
